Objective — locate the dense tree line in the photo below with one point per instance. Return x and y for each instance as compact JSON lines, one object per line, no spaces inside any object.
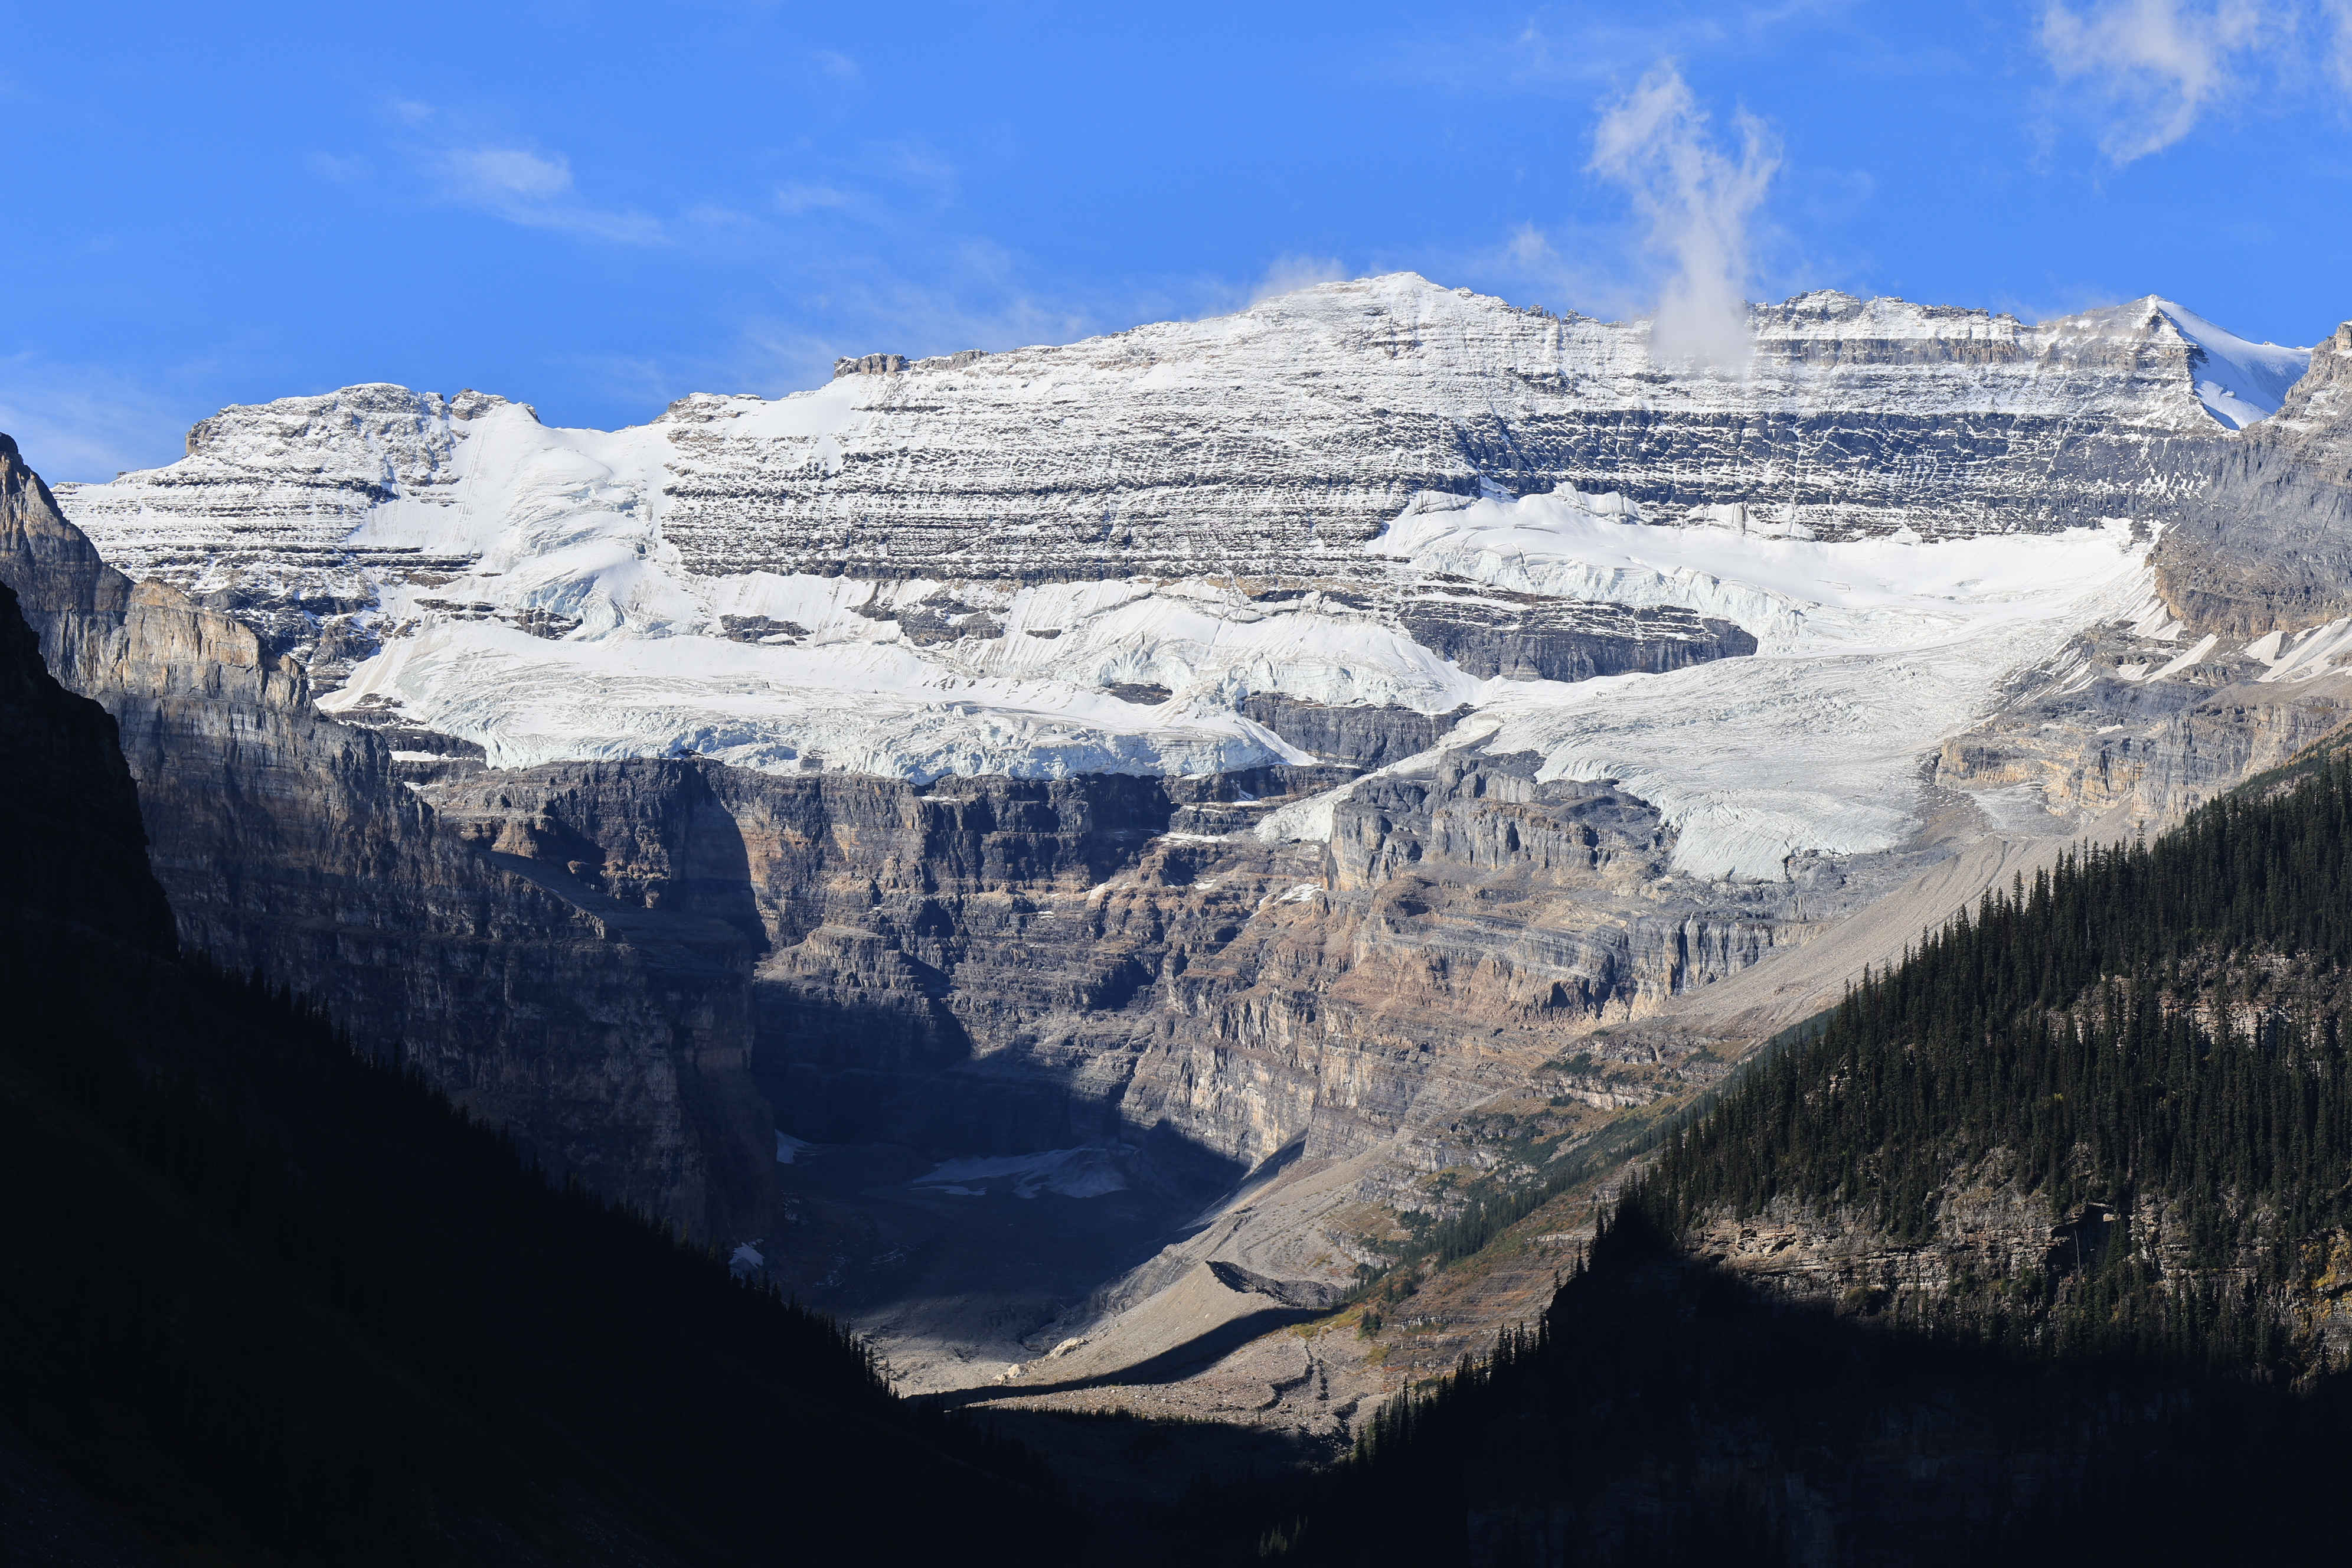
{"x":1668,"y":1412}
{"x":2152,"y":1027}
{"x":281,"y":1303}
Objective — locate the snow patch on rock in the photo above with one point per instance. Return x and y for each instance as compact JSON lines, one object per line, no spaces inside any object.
{"x":1090,"y":1171}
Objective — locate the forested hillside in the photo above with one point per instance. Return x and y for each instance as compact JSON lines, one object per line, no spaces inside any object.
{"x":266,"y":1301}
{"x":2149,"y":1039}
{"x":2037,"y":1244}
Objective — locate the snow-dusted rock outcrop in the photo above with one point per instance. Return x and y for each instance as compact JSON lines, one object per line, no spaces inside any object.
{"x":2269,"y":546}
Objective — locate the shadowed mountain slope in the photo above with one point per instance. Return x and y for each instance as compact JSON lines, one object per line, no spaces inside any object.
{"x":266,"y":1300}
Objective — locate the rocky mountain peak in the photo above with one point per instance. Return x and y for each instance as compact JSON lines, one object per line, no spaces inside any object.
{"x":2321,"y":400}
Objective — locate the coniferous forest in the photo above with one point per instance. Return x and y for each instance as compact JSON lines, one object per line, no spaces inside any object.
{"x":2146,"y":1045}
{"x":2157,"y":1030}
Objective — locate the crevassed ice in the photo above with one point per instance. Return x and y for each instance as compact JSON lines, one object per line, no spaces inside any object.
{"x":1870,"y":653}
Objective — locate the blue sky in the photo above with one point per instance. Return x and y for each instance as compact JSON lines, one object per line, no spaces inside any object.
{"x":597,"y":208}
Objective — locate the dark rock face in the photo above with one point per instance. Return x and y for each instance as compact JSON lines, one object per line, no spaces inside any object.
{"x":612,"y":1040}
{"x":2266,"y":542}
{"x":1524,"y":636}
{"x":1362,"y":737}
{"x":72,"y":849}
{"x":906,"y":950}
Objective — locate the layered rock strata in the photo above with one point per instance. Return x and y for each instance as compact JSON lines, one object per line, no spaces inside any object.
{"x":1290,"y":434}
{"x":2092,"y":730}
{"x":994,"y":965}
{"x":976,"y":705}
{"x":1365,"y":735}
{"x":1269,"y":447}
{"x":1526,"y":637}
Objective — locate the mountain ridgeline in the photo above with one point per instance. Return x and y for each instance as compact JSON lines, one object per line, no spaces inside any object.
{"x":268,"y":1300}
{"x":2040,"y":1241}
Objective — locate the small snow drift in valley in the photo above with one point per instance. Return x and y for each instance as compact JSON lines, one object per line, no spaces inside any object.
{"x":1084,"y":1172}
{"x":1697,"y":199}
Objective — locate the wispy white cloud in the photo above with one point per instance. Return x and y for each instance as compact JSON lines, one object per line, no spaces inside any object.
{"x":1578,"y":46}
{"x":969,"y":294}
{"x":85,"y":423}
{"x":892,"y":184}
{"x":462,"y":162}
{"x":342,"y":171}
{"x":535,"y":189}
{"x":837,"y":66}
{"x":508,"y":174}
{"x":1697,"y":198}
{"x":2152,"y":69}
{"x":916,"y":163}
{"x":2158,"y":64}
{"x":2337,"y":17}
{"x":1565,"y":266}
{"x":794,"y":199}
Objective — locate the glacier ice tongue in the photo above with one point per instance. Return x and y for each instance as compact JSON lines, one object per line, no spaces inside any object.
{"x":1879,"y":651}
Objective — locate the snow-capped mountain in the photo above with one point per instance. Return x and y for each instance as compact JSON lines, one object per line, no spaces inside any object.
{"x":2237,"y":381}
{"x":1762,"y":598}
{"x":1622,"y":717}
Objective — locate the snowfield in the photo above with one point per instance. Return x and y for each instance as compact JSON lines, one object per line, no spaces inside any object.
{"x":1869,"y":654}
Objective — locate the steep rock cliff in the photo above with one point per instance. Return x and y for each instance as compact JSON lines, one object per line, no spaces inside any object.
{"x":73,"y":851}
{"x":612,"y":1042}
{"x":2267,"y":545}
{"x":994,"y":965}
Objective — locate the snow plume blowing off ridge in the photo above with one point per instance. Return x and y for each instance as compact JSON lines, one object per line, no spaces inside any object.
{"x":1697,"y":198}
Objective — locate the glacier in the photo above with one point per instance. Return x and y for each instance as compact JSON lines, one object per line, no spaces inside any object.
{"x":1086,"y":558}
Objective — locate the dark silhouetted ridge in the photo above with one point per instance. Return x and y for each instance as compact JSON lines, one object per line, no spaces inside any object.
{"x":265,"y":1300}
